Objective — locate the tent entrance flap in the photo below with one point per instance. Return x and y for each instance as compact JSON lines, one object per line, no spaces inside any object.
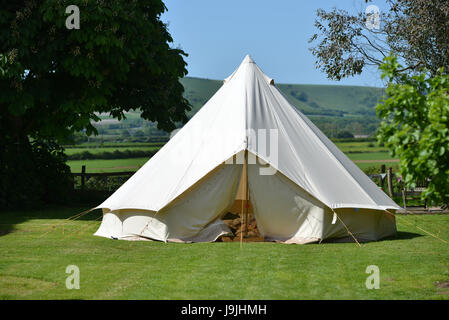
{"x":242,"y":222}
{"x":242,"y":195}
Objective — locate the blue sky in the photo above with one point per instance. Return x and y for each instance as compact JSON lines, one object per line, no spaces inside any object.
{"x":218,"y":34}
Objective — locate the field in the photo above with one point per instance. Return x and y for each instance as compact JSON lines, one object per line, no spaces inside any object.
{"x":116,"y":165}
{"x":310,"y":99}
{"x":113,"y":165}
{"x":34,"y":262}
{"x":72,"y":151}
{"x":364,"y":154}
{"x":332,"y":108}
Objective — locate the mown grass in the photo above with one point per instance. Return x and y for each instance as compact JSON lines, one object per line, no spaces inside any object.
{"x":133,"y":164}
{"x":94,"y":145}
{"x":72,"y":151}
{"x":33,"y":264}
{"x":114,"y":165}
{"x":368,"y":146}
{"x":354,"y":150}
{"x":377,"y":164}
{"x":369,"y":156}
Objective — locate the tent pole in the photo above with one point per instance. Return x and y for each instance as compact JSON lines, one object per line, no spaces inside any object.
{"x":241,"y":226}
{"x":244,"y":211}
{"x":246,"y":193}
{"x":347,"y":229}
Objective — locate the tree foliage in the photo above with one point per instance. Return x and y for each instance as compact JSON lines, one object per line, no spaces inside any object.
{"x":33,"y":173}
{"x":415,"y":126}
{"x":345,"y":134}
{"x":416,"y":31}
{"x":120,"y":59}
{"x":53,"y":81}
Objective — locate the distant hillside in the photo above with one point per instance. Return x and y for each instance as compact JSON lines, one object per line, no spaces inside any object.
{"x":319,"y":100}
{"x":332,"y":108}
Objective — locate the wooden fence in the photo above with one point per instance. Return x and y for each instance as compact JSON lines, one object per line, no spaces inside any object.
{"x":385,"y":179}
{"x":86,"y":176}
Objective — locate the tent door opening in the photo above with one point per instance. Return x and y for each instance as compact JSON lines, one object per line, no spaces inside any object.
{"x":240,"y":217}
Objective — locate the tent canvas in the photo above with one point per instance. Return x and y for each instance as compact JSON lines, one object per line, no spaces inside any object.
{"x":298,"y":180}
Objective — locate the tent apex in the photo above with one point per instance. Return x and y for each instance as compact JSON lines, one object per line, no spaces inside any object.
{"x":248,"y":59}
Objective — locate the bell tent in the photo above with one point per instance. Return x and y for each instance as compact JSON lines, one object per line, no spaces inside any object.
{"x":248,"y":147}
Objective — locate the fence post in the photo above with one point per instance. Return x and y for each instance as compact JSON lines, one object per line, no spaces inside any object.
{"x":404,"y":198}
{"x":390,"y":185}
{"x":83,"y":177}
{"x":382,"y":179}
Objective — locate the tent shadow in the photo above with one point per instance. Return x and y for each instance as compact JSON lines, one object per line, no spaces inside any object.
{"x":11,"y":218}
{"x":403,"y":235}
{"x":400,"y":235}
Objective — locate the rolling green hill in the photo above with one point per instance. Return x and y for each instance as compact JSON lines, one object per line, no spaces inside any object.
{"x":332,"y":108}
{"x":318,"y":100}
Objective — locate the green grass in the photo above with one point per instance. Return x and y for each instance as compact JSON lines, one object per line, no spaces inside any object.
{"x":365,"y":165}
{"x":369,"y":156}
{"x":356,"y":151}
{"x":115,"y":165}
{"x":33,"y":264}
{"x":72,"y":151}
{"x":114,"y":145}
{"x":133,"y":164}
{"x":360,"y":147}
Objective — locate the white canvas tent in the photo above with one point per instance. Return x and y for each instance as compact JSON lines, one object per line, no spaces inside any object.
{"x":248,"y":143}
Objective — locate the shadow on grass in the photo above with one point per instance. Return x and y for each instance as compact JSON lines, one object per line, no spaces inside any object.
{"x":403,"y":235}
{"x":78,"y":201}
{"x":9,"y":219}
{"x":85,"y":200}
{"x":400,"y":235}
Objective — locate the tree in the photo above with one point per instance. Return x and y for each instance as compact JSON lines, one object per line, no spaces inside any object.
{"x":358,"y":128}
{"x":345,"y":135}
{"x":415,"y":126}
{"x":303,"y":97}
{"x":53,"y":81}
{"x":414,"y":30}
{"x":125,"y":134}
{"x":139,"y":133}
{"x":78,"y":137}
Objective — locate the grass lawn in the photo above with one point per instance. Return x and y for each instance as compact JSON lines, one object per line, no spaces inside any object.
{"x":113,"y":145}
{"x":114,"y":165}
{"x":132,"y":164}
{"x":369,"y":156}
{"x":33,"y":264}
{"x":359,"y":152}
{"x":365,"y":165}
{"x":70,"y":151}
{"x":360,"y":146}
